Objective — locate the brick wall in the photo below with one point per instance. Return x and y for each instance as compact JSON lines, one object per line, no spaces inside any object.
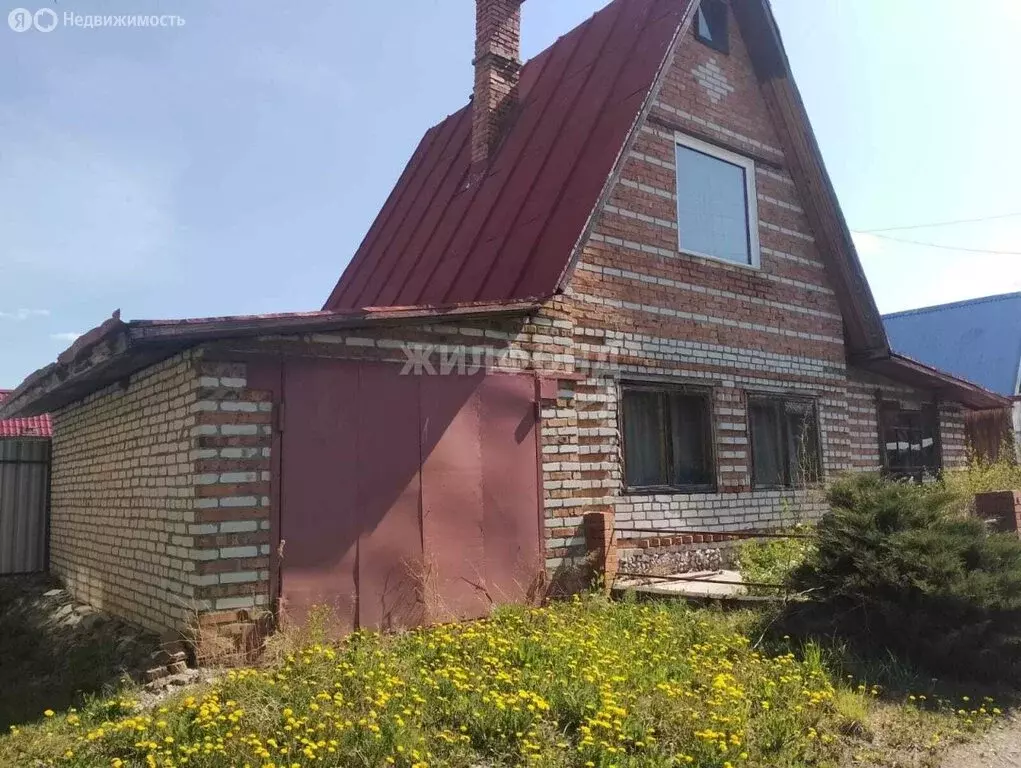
{"x":230,"y":537}
{"x":122,"y":496}
{"x":652,"y":312}
{"x":159,"y":495}
{"x":647,"y":311}
{"x":865,"y":390}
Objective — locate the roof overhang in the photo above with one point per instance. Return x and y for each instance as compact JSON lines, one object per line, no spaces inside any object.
{"x":864,"y":330}
{"x":116,"y":349}
{"x":946,"y":387}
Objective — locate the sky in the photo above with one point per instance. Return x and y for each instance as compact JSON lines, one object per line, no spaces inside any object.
{"x":232,"y":164}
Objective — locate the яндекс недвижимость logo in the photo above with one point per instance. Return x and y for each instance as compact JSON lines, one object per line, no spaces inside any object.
{"x":22,"y":20}
{"x":46,"y":20}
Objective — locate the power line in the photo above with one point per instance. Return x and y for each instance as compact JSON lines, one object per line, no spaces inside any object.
{"x":941,"y":223}
{"x":941,"y":246}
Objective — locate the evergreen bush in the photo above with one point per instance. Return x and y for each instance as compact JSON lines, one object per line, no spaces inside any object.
{"x":896,"y":569}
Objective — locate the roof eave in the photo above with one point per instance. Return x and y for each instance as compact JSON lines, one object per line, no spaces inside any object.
{"x":866,"y":335}
{"x":113,"y":351}
{"x":944,"y":385}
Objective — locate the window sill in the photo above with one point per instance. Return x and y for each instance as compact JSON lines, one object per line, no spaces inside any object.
{"x":754,"y":266}
{"x":669,"y":490}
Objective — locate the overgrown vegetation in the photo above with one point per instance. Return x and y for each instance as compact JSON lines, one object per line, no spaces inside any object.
{"x":981,"y":476}
{"x":896,"y":568}
{"x":772,"y":561}
{"x":585,"y":683}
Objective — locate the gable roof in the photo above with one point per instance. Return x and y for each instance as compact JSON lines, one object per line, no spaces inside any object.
{"x":31,"y":426}
{"x":444,"y":248}
{"x":440,"y":239}
{"x":511,"y":236}
{"x":979,"y":340}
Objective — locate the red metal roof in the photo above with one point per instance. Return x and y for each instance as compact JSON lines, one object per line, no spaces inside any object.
{"x":509,"y":237}
{"x":33,"y":426}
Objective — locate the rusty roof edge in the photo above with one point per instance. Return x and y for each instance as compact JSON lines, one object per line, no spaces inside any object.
{"x":106,"y":340}
{"x":115,"y":349}
{"x":199,"y":329}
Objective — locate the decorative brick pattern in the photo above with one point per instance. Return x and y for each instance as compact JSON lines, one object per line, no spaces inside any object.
{"x":231,"y":534}
{"x":647,"y":311}
{"x":160,"y":501}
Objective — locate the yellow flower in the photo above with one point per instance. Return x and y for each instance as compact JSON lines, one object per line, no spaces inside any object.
{"x":49,"y":713}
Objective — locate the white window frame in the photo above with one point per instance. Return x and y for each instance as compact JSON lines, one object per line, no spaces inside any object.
{"x":751,"y":197}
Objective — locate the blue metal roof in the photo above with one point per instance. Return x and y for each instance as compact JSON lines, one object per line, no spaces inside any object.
{"x":977,"y":340}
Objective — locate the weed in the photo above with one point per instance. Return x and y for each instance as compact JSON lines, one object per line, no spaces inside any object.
{"x":584,"y":683}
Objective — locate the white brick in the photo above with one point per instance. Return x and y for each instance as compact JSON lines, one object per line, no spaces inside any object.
{"x":229,"y":553}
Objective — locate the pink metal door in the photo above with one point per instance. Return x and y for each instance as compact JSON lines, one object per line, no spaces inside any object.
{"x":406,"y":499}
{"x":319,"y":526}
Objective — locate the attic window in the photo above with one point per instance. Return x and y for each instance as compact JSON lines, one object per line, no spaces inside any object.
{"x":717,"y":214}
{"x":711,"y":25}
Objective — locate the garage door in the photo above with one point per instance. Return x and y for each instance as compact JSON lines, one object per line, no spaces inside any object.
{"x":406,"y":499}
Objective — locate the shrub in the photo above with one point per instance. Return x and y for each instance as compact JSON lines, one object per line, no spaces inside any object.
{"x":895,"y":568}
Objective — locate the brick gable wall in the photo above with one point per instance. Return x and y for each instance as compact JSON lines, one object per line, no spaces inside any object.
{"x":654,"y":313}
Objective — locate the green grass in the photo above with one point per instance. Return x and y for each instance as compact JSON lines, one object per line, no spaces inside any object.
{"x":771,"y":561}
{"x":584,"y":683}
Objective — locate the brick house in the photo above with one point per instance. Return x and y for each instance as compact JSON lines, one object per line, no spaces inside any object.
{"x":618,"y":281}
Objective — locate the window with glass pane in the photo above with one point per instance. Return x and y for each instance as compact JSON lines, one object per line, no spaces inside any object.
{"x":785,"y":442}
{"x":910,"y":440}
{"x":712,"y":204}
{"x":711,"y":25}
{"x":667,"y":438}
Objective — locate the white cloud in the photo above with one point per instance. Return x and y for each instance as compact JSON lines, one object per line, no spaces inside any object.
{"x":69,"y":337}
{"x":18,"y":315}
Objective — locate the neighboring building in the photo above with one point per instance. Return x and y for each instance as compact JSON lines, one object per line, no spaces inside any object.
{"x":977,"y":340}
{"x":634,"y":233}
{"x":24,"y":486}
{"x":25,"y":427}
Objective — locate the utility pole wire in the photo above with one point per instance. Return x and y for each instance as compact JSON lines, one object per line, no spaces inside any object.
{"x":939,"y":245}
{"x":941,"y":223}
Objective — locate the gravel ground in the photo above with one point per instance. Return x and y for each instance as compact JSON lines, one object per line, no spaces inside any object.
{"x":1001,"y":748}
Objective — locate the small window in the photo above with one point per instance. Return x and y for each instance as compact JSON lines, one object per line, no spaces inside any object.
{"x":667,"y":438}
{"x":717,"y":216}
{"x":711,"y":25}
{"x":785,"y":442}
{"x":910,"y":441}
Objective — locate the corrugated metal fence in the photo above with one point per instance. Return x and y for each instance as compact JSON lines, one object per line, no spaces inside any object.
{"x":24,"y":505}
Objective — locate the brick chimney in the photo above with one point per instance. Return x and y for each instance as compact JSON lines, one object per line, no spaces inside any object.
{"x":497,"y":71}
